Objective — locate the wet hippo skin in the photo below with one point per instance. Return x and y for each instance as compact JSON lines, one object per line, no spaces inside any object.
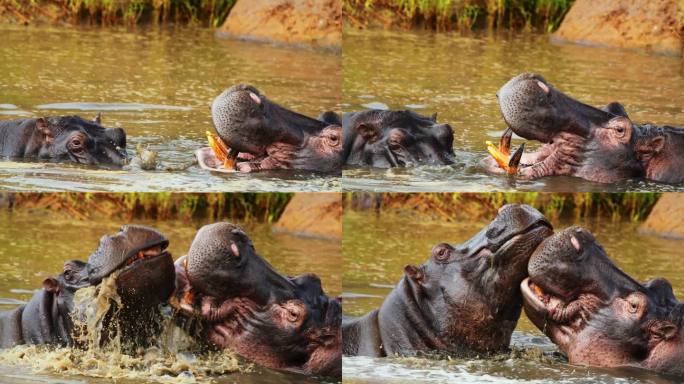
{"x":386,"y":139}
{"x":280,"y":322}
{"x":268,"y":136}
{"x":598,"y":315}
{"x":66,"y":139}
{"x":601,"y":145}
{"x":146,"y":278}
{"x":463,"y":300}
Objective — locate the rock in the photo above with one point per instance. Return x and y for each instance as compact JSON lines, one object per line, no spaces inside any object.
{"x":650,"y":25}
{"x":313,"y":23}
{"x":667,"y":217}
{"x":312,"y":214}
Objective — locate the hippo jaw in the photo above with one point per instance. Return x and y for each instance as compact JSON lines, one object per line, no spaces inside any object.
{"x":472,"y":287}
{"x":595,"y":313}
{"x":245,"y":305}
{"x":578,"y":139}
{"x":145,"y":268}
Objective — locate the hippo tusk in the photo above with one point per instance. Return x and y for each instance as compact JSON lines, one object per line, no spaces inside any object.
{"x":502,"y":152}
{"x":225,"y":155}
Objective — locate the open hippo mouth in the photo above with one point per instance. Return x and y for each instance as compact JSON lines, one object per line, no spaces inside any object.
{"x":256,"y":134}
{"x":285,"y":323}
{"x":577,"y":139}
{"x":145,"y":270}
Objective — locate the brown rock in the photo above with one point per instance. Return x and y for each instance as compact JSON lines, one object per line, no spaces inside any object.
{"x":651,"y":25}
{"x":667,"y":217}
{"x":312,"y":214}
{"x":314,"y":23}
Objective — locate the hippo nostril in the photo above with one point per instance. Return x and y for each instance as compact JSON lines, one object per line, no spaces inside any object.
{"x":543,"y":86}
{"x":255,"y":97}
{"x":494,"y":231}
{"x":234,"y":248}
{"x":575,"y":243}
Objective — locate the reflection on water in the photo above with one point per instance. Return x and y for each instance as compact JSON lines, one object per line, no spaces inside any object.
{"x":376,"y":248}
{"x":158,"y":85}
{"x":35,"y":244}
{"x":458,"y":78}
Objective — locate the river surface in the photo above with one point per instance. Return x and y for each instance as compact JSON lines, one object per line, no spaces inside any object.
{"x":457,"y":77}
{"x":376,"y":248}
{"x":34,"y":245}
{"x":157,"y":84}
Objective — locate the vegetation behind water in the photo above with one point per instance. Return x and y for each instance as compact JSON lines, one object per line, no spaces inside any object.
{"x":544,"y":15}
{"x":460,"y":206}
{"x":262,"y":207}
{"x":118,"y":12}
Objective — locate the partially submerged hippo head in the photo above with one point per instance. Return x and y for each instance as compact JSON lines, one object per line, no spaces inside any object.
{"x":64,"y":139}
{"x":386,"y":139}
{"x":579,"y":140}
{"x":285,"y":323}
{"x":269,"y":136}
{"x":146,"y":274}
{"x":464,"y":299}
{"x":660,"y":150}
{"x":597,"y":314}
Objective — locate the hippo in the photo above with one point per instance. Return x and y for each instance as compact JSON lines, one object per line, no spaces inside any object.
{"x":145,"y":279}
{"x":387,"y":139}
{"x":600,"y":145}
{"x":659,"y":150}
{"x":464,"y":300}
{"x":598,"y":315}
{"x":257,"y":134}
{"x":63,"y":139}
{"x":244,"y":304}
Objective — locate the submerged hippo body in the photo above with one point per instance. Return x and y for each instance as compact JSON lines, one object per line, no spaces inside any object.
{"x":463,"y":300}
{"x":386,"y":139}
{"x":63,"y":139}
{"x":273,"y":137}
{"x":597,"y":314}
{"x":284,"y":323}
{"x":145,"y":279}
{"x":601,"y":145}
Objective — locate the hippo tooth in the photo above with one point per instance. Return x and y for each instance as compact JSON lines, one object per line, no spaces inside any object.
{"x":575,"y":243}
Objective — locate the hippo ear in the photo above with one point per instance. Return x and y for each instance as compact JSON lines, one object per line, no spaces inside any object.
{"x":616,"y":109}
{"x":51,"y":285}
{"x":368,"y":132}
{"x":663,"y":330}
{"x":44,"y":127}
{"x":98,"y":118}
{"x":414,"y":273}
{"x":434,"y":117}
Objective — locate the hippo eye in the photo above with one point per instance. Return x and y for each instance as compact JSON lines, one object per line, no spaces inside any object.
{"x":333,"y":140}
{"x":292,"y":314}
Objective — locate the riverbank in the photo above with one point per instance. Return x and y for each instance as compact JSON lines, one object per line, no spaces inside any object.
{"x":454,"y":207}
{"x":447,"y":15}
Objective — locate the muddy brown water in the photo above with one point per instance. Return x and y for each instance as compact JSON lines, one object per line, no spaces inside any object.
{"x":457,"y":77}
{"x":376,"y":248}
{"x":158,"y":84}
{"x":35,"y":244}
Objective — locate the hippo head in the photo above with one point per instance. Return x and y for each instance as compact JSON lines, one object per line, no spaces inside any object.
{"x":273,"y":137}
{"x":74,"y":276}
{"x":597,"y":314}
{"x":146,"y":274}
{"x":285,"y":323}
{"x":579,"y":140}
{"x":470,"y":290}
{"x":659,"y":150}
{"x":74,"y":139}
{"x":386,"y":139}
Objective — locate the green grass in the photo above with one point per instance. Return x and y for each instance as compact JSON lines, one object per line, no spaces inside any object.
{"x":465,"y":14}
{"x":121,"y":12}
{"x":455,"y":206}
{"x":262,"y":207}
